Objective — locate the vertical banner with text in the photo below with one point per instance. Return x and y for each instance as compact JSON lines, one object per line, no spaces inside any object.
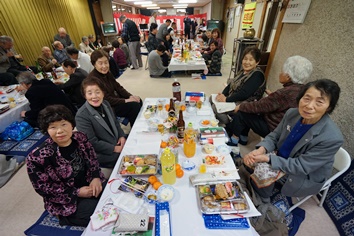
{"x":248,"y":15}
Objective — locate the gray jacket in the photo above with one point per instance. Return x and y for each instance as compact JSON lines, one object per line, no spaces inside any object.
{"x":102,"y":138}
{"x":162,"y":31}
{"x":311,"y":161}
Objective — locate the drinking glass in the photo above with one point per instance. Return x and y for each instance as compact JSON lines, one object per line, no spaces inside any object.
{"x":199,"y":104}
{"x":161,"y":128}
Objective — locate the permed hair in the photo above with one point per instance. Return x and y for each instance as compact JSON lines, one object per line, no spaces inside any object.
{"x":298,"y":68}
{"x":53,"y":113}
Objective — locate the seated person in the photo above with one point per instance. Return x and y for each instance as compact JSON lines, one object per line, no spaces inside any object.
{"x":153,"y":42}
{"x":113,"y":67}
{"x":98,"y":42}
{"x":82,"y":59}
{"x":207,"y":38}
{"x":216,"y":36}
{"x":64,"y":38}
{"x":119,"y":55}
{"x":248,"y":85}
{"x":124,"y":47}
{"x":105,"y":134}
{"x":123,"y":103}
{"x":84,"y":45}
{"x":214,"y":65}
{"x":7,"y":79}
{"x":10,"y":60}
{"x":264,"y":115}
{"x":167,"y":43}
{"x":91,"y":39}
{"x":72,"y":87}
{"x":304,"y":143}
{"x":47,"y":61}
{"x":64,"y":169}
{"x":60,"y":53}
{"x":156,"y":68}
{"x":40,"y":93}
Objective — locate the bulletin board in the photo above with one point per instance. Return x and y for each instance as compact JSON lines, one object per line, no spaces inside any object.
{"x":296,"y":11}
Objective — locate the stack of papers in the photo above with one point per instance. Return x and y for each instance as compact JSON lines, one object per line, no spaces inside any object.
{"x":222,"y":107}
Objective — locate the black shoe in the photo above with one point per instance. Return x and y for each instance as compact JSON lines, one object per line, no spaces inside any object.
{"x":231,"y":144}
{"x":242,"y":142}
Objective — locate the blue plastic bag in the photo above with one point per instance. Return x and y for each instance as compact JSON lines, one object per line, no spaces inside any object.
{"x":17,"y":131}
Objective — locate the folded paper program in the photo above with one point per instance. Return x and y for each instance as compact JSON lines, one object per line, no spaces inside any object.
{"x":222,"y":107}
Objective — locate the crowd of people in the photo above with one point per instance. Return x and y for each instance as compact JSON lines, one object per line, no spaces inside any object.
{"x":300,"y":139}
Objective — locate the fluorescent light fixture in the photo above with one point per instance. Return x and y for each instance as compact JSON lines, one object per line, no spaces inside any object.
{"x":129,"y":0}
{"x":149,"y":5}
{"x":153,"y":8}
{"x":181,"y":10}
{"x":180,"y":5}
{"x":162,"y":10}
{"x":141,"y":3}
{"x":187,"y":1}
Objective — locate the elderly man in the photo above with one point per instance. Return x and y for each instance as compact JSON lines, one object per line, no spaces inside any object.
{"x":46,"y":60}
{"x":60,"y":53}
{"x":64,"y":38}
{"x":9,"y":60}
{"x":130,"y":34}
{"x":40,"y":93}
{"x":91,"y":39}
{"x":84,"y":46}
{"x":82,"y":59}
{"x":163,"y":29}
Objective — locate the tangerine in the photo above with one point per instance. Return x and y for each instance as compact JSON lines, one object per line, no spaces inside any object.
{"x":157,"y":185}
{"x":152,"y":179}
{"x":163,"y":144}
{"x":178,"y":166}
{"x":179,"y":173}
{"x":183,"y":107}
{"x":167,"y":106}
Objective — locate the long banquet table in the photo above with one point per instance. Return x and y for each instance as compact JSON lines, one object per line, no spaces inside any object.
{"x":186,"y":218}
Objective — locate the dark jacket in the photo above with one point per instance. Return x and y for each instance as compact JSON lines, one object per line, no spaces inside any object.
{"x":46,"y":63}
{"x":132,"y":33}
{"x":73,"y":86}
{"x":66,"y":41}
{"x":43,"y":93}
{"x":152,"y":42}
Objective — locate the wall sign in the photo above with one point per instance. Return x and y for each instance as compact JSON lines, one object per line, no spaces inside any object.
{"x":296,"y":11}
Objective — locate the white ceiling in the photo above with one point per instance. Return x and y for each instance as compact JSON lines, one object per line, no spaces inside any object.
{"x":164,"y":3}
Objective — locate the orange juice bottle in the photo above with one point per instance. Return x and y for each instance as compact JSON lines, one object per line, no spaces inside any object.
{"x":189,"y":143}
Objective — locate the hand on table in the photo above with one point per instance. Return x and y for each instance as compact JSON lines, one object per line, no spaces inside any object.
{"x":96,"y":187}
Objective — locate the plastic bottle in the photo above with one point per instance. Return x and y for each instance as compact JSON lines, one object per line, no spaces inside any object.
{"x":168,"y":160}
{"x":189,"y":143}
{"x":176,"y":90}
{"x":180,"y":127}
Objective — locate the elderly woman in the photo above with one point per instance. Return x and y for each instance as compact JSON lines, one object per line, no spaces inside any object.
{"x":216,"y":36}
{"x":264,"y":115}
{"x":84,"y":45}
{"x":64,"y":170}
{"x":248,"y":85}
{"x":96,"y":118}
{"x":40,"y":93}
{"x":304,"y":142}
{"x":73,"y":86}
{"x":123,"y":103}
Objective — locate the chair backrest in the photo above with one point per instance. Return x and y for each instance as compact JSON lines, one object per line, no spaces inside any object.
{"x":341,"y":163}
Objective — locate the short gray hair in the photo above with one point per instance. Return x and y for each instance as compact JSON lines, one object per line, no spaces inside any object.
{"x":84,"y":38}
{"x":5,"y":38}
{"x":298,"y":68}
{"x":26,"y":78}
{"x":122,"y":17}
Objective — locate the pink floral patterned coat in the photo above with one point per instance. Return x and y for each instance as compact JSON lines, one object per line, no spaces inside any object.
{"x":51,"y":174}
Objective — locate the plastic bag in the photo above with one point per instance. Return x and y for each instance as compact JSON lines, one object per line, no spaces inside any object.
{"x":17,"y":131}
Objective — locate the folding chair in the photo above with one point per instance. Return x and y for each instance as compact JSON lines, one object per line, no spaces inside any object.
{"x":341,"y":163}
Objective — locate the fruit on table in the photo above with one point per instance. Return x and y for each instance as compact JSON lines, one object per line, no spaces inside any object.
{"x":157,"y":185}
{"x":178,"y":166}
{"x":179,"y":173}
{"x":163,"y":144}
{"x":152,"y":179}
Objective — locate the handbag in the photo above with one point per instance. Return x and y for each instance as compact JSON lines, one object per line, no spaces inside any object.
{"x":131,"y":222}
{"x":17,"y":131}
{"x":263,"y":175}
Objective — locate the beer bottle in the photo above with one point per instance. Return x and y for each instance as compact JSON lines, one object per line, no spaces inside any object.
{"x":176,"y":90}
{"x":171,"y":109}
{"x":180,"y":127}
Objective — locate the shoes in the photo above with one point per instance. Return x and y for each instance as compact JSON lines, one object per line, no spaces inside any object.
{"x":231,"y":144}
{"x":242,"y":142}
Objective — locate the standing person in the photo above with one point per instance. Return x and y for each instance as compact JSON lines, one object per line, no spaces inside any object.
{"x":47,"y":61}
{"x":73,"y":86}
{"x":64,"y":38}
{"x":152,"y":19}
{"x":124,"y":47}
{"x":193,"y":25}
{"x":187,"y":27}
{"x":131,"y":34}
{"x":64,"y":170}
{"x":163,"y":29}
{"x":156,"y":67}
{"x":264,"y":115}
{"x":40,"y":93}
{"x":123,"y":103}
{"x":85,"y":45}
{"x":60,"y":53}
{"x":91,"y":39}
{"x":173,"y":31}
{"x":97,"y":119}
{"x":82,"y":59}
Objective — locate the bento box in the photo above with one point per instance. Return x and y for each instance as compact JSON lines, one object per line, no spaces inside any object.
{"x":137,"y":165}
{"x":221,"y":197}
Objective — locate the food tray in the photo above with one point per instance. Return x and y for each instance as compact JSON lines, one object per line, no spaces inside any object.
{"x":221,"y":197}
{"x":138,"y":165}
{"x":135,"y":185}
{"x":151,"y":108}
{"x":214,"y":160}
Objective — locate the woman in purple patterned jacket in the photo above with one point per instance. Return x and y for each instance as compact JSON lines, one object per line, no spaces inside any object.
{"x":64,"y":170}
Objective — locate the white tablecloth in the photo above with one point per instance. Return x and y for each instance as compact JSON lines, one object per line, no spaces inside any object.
{"x":186,"y":218}
{"x":190,"y":65}
{"x":14,"y":114}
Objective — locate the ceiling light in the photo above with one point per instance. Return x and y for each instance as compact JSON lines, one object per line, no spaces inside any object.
{"x":141,"y":3}
{"x":162,"y":10}
{"x":149,"y":5}
{"x":153,"y":8}
{"x":181,"y":10}
{"x":180,"y":5}
{"x":187,"y":1}
{"x":129,"y":0}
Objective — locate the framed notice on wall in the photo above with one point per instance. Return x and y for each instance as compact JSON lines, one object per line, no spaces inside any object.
{"x":296,"y":11}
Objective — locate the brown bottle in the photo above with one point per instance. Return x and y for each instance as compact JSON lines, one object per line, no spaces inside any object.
{"x":180,"y":127}
{"x":54,"y":75}
{"x":182,"y":55}
{"x":176,"y":90}
{"x":171,"y":109}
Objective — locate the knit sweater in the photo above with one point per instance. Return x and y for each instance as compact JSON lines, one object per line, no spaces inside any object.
{"x":274,"y":106}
